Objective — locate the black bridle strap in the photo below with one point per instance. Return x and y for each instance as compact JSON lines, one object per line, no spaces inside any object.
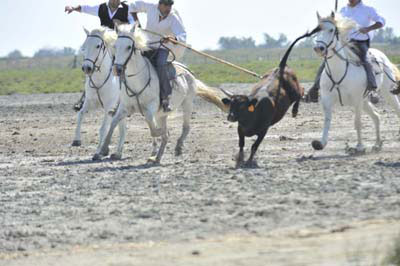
{"x":102,"y":48}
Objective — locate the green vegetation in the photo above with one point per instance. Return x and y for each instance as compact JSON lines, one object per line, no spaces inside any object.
{"x":54,"y":74}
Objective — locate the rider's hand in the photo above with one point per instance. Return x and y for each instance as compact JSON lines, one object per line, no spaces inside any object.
{"x":168,"y":39}
{"x":69,"y":9}
{"x":364,"y":30}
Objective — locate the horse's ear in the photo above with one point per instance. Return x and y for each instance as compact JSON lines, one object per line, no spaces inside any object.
{"x":333,"y":15}
{"x":318,"y":16}
{"x":86,"y":31}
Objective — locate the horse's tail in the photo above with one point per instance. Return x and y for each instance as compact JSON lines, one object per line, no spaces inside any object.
{"x":210,"y":95}
{"x":397,"y":78}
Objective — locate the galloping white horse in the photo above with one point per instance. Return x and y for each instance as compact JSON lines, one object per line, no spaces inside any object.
{"x":101,"y":87}
{"x":344,"y":79}
{"x":140,"y":92}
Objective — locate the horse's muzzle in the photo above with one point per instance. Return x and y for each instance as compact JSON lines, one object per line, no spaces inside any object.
{"x":87,"y":69}
{"x":320,"y":50}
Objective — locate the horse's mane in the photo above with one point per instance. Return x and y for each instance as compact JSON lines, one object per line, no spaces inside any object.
{"x":344,"y":26}
{"x":139,"y":36}
{"x":109,"y":36}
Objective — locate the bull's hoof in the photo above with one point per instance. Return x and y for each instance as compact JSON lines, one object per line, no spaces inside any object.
{"x":153,"y":160}
{"x":76,"y":143}
{"x":116,"y":157}
{"x":317,"y":145}
{"x":105,"y":151}
{"x":178,"y":151}
{"x":96,"y":157}
{"x":250,"y":164}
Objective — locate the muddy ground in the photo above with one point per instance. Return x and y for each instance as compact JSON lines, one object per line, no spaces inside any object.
{"x":57,"y":207}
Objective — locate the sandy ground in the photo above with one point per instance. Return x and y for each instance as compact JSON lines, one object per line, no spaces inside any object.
{"x":299,"y":207}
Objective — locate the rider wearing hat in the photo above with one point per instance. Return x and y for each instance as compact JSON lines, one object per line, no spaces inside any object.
{"x":369,"y":20}
{"x":164,"y":20}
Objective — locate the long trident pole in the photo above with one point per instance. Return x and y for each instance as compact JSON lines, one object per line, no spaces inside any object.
{"x":336,"y":6}
{"x":207,"y":55}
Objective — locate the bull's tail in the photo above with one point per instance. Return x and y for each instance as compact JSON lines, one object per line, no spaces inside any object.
{"x":210,"y":95}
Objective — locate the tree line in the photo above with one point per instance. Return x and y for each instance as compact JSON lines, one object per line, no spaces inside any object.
{"x":44,"y":52}
{"x":385,"y":36}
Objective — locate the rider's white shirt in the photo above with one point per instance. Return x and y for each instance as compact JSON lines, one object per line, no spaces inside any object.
{"x":94,"y":10}
{"x":171,"y":25}
{"x":365,"y":16}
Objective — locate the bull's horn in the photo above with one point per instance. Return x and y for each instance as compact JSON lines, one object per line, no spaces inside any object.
{"x":227,"y":93}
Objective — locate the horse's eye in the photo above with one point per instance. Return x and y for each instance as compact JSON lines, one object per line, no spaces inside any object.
{"x":129,"y":48}
{"x":98,"y":46}
{"x":331,"y":30}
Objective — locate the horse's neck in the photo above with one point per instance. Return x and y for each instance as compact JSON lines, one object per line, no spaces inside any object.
{"x":138,"y":66}
{"x":337,"y":61}
{"x":105,"y":67}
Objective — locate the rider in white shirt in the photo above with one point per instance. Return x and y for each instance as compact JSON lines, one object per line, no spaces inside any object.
{"x":368,"y":20}
{"x":164,"y":20}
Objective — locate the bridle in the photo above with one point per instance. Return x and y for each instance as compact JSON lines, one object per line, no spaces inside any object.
{"x":96,"y":67}
{"x":123,"y":78}
{"x":101,"y":49}
{"x":335,"y":84}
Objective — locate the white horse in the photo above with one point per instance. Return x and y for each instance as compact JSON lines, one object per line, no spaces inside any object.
{"x":140,"y":92}
{"x":344,"y":79}
{"x":101,"y":87}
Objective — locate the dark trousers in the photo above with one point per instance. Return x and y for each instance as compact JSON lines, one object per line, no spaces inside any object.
{"x":159,"y":59}
{"x":362,"y":51}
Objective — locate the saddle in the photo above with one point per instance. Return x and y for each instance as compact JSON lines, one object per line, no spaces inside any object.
{"x":174,"y":69}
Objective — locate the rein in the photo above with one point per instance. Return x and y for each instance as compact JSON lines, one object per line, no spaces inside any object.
{"x":335,"y":84}
{"x":123,"y":78}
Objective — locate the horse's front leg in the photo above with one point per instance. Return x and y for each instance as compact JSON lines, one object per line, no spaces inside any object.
{"x":77,"y":139}
{"x":327,"y":107}
{"x":121,"y":142}
{"x":105,"y":142}
{"x":102,"y":132}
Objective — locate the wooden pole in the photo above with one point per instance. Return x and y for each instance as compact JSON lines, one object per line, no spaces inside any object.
{"x":207,"y":55}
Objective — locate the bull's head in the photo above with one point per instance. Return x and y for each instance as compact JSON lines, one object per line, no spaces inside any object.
{"x":240,"y":106}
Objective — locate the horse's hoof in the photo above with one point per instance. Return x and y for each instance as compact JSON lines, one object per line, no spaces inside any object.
{"x":115,"y":157}
{"x":374,"y":98}
{"x":153,"y":160}
{"x":76,"y":143}
{"x":317,"y":145}
{"x":96,"y":157}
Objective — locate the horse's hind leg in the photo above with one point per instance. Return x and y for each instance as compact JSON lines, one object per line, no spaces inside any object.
{"x":77,"y":139}
{"x":187,"y":113}
{"x":370,"y":110}
{"x":358,"y":126}
{"x":392,"y":100}
{"x":164,"y":141}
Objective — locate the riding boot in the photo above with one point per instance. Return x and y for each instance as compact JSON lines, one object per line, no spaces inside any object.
{"x":312,"y":94}
{"x":79,"y":104}
{"x":165,"y":85}
{"x":165,"y":105}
